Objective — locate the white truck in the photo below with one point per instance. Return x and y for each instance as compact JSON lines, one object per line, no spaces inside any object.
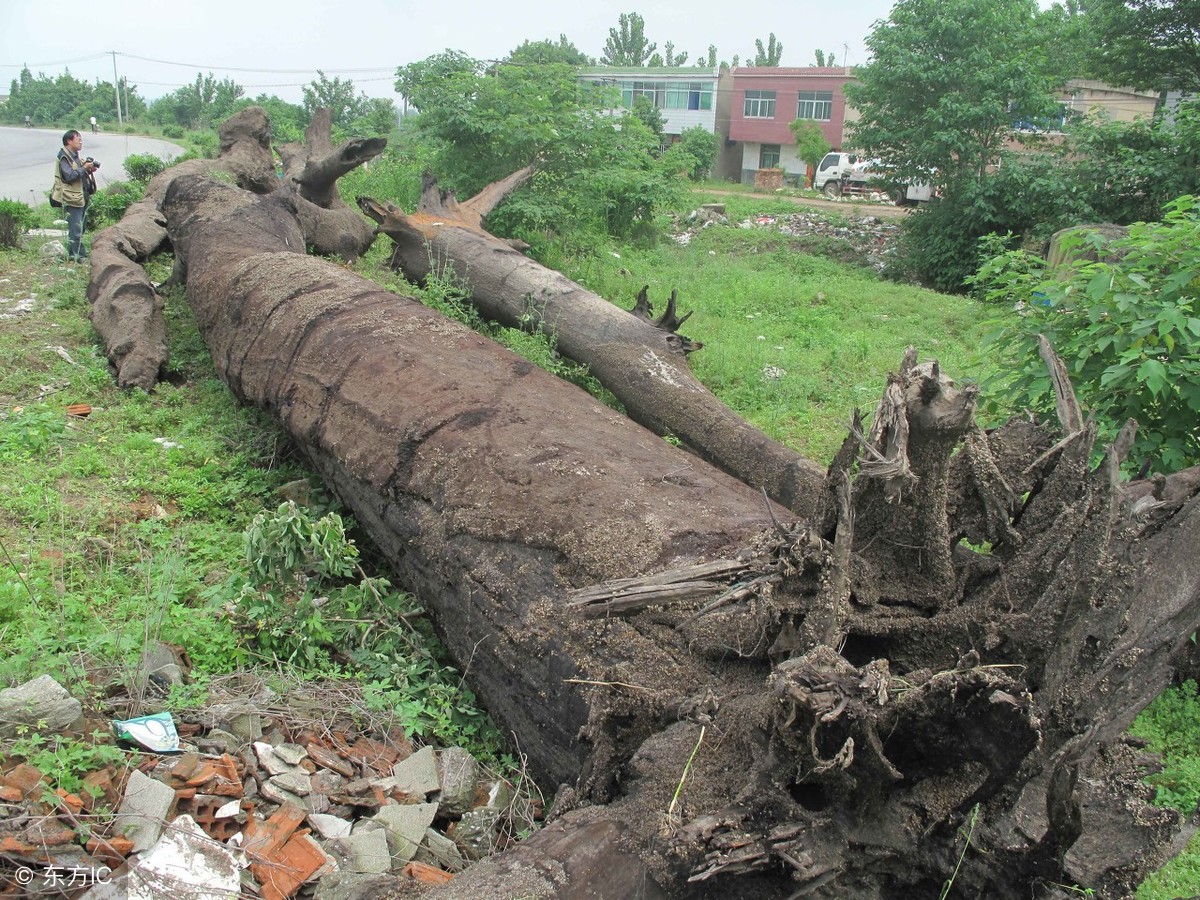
{"x":847,"y":174}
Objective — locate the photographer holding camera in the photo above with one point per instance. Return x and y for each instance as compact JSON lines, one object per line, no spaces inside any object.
{"x":73,"y":186}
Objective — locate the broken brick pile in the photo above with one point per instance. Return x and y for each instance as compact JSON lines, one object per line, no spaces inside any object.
{"x":310,"y":813}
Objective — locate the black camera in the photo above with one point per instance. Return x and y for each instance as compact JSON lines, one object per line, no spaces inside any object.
{"x":92,"y":161}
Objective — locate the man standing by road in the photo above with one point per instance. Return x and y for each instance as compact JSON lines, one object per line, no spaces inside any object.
{"x":72,"y":180}
{"x":93,"y":121}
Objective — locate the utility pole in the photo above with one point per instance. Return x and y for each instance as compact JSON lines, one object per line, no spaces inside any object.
{"x":116,"y":87}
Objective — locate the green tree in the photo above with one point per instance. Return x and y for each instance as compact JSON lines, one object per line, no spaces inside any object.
{"x":64,"y":100}
{"x":669,"y":57}
{"x":335,"y":94}
{"x":288,"y":120}
{"x":824,"y":59}
{"x":811,"y":143}
{"x":627,"y":46}
{"x":594,"y":171}
{"x":1148,"y":44}
{"x":769,"y":55}
{"x":709,"y":59}
{"x":695,"y":152}
{"x":648,"y":114}
{"x":198,"y":105}
{"x":418,"y":82}
{"x":946,"y":81}
{"x":541,"y":53}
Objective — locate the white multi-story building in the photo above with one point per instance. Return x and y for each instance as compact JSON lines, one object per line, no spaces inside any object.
{"x":686,"y":96}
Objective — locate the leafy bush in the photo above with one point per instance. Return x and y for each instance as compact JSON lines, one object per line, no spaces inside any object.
{"x":15,"y":219}
{"x":305,"y":601}
{"x":1027,"y":200}
{"x":1128,"y":332}
{"x":1120,"y":172}
{"x":172,"y":131}
{"x":141,"y":167}
{"x":108,"y":205}
{"x":695,"y":153}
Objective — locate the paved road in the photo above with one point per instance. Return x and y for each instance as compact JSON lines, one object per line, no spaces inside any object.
{"x":27,"y":159}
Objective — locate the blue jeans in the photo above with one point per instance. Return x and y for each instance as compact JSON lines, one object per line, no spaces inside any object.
{"x":75,"y":248}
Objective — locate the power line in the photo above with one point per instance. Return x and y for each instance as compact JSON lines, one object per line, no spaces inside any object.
{"x":167,"y":62}
{"x":139,"y":83}
{"x":61,"y":62}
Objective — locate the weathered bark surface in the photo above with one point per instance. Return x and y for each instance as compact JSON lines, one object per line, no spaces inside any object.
{"x":488,"y":482}
{"x":314,"y":167}
{"x":126,"y":308}
{"x":126,"y":311}
{"x":750,"y":704}
{"x":640,"y":359}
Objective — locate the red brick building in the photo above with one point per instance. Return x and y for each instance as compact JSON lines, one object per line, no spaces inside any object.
{"x":765,"y":100}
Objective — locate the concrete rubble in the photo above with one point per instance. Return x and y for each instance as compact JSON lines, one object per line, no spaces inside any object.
{"x":866,"y":240}
{"x":254,"y":806}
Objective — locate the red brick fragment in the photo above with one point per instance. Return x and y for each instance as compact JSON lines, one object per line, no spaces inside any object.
{"x":111,"y":851}
{"x":185,"y":767}
{"x":284,"y":870}
{"x":426,"y":873}
{"x":373,"y":755}
{"x":72,"y":802}
{"x":264,"y":838}
{"x":98,"y":787}
{"x":330,"y":760}
{"x":11,"y":845}
{"x":26,"y":779}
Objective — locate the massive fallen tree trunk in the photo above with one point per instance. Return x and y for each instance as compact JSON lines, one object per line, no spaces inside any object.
{"x":642,"y":360}
{"x":126,"y":308}
{"x":739,"y":702}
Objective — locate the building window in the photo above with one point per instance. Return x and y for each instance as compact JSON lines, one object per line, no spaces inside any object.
{"x":690,"y":95}
{"x":655,"y":90}
{"x":759,"y":105}
{"x":815,"y":105}
{"x":768,"y":156}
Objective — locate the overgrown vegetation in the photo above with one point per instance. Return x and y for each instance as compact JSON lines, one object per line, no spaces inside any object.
{"x":1127,"y":326}
{"x":15,"y":219}
{"x":1171,"y":727}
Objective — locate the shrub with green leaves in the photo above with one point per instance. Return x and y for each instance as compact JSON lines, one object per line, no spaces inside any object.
{"x":1128,"y":331}
{"x":108,"y":205}
{"x":306,"y":602}
{"x":141,"y":167}
{"x":15,"y":219}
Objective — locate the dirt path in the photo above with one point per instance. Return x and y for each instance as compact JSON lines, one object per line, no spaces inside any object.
{"x":846,"y":207}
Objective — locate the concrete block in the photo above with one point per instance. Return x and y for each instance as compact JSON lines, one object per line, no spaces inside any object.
{"x":144,"y":810}
{"x":417,"y":775}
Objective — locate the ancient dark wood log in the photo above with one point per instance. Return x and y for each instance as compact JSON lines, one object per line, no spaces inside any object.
{"x":797,"y":710}
{"x":640,"y":359}
{"x":126,"y":309}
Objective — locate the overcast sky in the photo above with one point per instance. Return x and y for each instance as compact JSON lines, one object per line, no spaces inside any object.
{"x":255,"y":45}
